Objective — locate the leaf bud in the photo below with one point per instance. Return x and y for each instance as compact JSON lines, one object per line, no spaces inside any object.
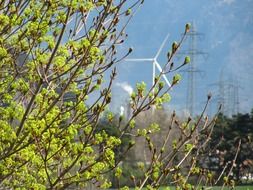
{"x":108,"y":99}
{"x":131,"y":143}
{"x":156,"y":79}
{"x":128,"y":12}
{"x":187,"y":60}
{"x":161,"y":85}
{"x":99,"y":81}
{"x":176,"y":79}
{"x":132,"y":177}
{"x":168,"y":54}
{"x":174,"y":47}
{"x":187,"y":27}
{"x":133,"y":95}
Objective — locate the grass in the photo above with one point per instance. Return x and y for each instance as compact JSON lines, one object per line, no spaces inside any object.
{"x":236,"y":188}
{"x":217,"y":188}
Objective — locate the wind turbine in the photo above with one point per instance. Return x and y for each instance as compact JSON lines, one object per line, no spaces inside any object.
{"x":155,"y":62}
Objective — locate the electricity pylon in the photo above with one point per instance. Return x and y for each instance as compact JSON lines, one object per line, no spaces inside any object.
{"x":154,"y":62}
{"x":192,"y":69}
{"x":233,"y":97}
{"x":220,"y":96}
{"x":228,"y":94}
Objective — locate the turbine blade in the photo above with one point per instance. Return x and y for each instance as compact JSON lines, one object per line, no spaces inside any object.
{"x":163,"y":75}
{"x":69,"y":20}
{"x":162,"y":45}
{"x":81,"y":24}
{"x":139,"y":60}
{"x":166,"y":80}
{"x":153,"y":74}
{"x":107,"y":21}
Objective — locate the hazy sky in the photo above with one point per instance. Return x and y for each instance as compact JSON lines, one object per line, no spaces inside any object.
{"x":227,"y":28}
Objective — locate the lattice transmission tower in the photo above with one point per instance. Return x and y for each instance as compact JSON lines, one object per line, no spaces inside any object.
{"x":233,"y":102}
{"x":228,"y":94}
{"x":192,"y":70}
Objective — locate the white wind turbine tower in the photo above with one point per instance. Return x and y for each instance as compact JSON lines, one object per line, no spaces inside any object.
{"x":154,"y":62}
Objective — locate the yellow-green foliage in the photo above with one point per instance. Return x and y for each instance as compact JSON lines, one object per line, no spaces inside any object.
{"x":50,"y":55}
